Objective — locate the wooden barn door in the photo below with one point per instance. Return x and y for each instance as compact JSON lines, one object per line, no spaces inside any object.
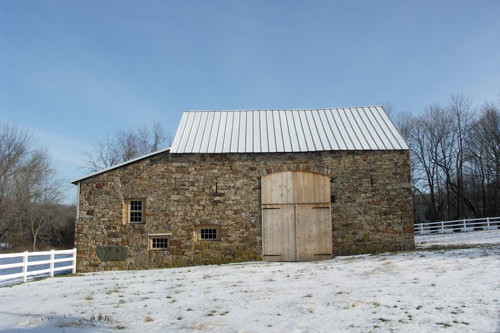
{"x":296,"y":217}
{"x":279,"y":228}
{"x":314,"y":232}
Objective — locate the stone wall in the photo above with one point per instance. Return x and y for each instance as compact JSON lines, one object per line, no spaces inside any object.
{"x":372,"y":211}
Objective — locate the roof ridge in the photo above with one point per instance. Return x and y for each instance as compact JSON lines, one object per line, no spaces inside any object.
{"x":277,"y":109}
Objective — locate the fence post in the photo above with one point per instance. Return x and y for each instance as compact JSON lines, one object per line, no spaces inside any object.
{"x":421,"y":228}
{"x":488,"y":222}
{"x":442,"y":227}
{"x":73,"y":269}
{"x":52,"y":257}
{"x":25,"y":266}
{"x":465,"y":226}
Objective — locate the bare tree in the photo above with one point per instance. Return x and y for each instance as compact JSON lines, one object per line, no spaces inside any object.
{"x":461,"y":119}
{"x":29,"y":188}
{"x":483,"y":156}
{"x":14,"y":149}
{"x":38,"y":190}
{"x":425,"y":141}
{"x":125,"y":145}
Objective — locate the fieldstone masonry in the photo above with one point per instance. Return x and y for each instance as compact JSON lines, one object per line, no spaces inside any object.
{"x":372,"y":211}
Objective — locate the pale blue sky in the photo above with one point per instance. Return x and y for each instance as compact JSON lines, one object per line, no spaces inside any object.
{"x":77,"y":70}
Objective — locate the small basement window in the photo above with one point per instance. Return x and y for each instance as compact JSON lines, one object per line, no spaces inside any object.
{"x":159,"y":241}
{"x":135,"y":211}
{"x":208,"y":233}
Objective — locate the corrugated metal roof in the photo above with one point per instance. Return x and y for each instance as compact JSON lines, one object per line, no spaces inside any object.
{"x":271,"y":131}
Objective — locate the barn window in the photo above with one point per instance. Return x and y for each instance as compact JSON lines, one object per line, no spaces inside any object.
{"x":208,"y":233}
{"x":135,"y":211}
{"x":159,"y":241}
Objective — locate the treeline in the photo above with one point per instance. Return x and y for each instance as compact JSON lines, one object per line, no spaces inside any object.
{"x":31,"y":214}
{"x":454,"y":152}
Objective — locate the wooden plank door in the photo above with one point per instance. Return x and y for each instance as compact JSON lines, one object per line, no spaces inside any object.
{"x":296,"y":218}
{"x":313,"y":232}
{"x":278,"y":237}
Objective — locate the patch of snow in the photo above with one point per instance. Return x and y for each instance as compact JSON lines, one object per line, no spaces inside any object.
{"x":454,"y":290}
{"x":458,"y":239}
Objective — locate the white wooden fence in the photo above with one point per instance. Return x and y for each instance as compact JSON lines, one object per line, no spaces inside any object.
{"x":486,"y":223}
{"x":30,"y":259}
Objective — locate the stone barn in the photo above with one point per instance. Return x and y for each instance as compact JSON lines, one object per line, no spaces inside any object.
{"x":275,"y":185}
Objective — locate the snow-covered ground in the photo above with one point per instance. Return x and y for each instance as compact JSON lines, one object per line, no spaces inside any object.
{"x":458,"y":239}
{"x":449,"y":290}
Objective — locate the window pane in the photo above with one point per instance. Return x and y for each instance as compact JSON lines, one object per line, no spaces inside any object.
{"x":208,"y":233}
{"x":159,"y":243}
{"x":135,"y":216}
{"x":135,"y":211}
{"x":135,"y":205}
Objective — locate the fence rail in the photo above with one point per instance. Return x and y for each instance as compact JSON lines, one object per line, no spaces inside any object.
{"x":443,"y":227}
{"x":26,"y":264}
